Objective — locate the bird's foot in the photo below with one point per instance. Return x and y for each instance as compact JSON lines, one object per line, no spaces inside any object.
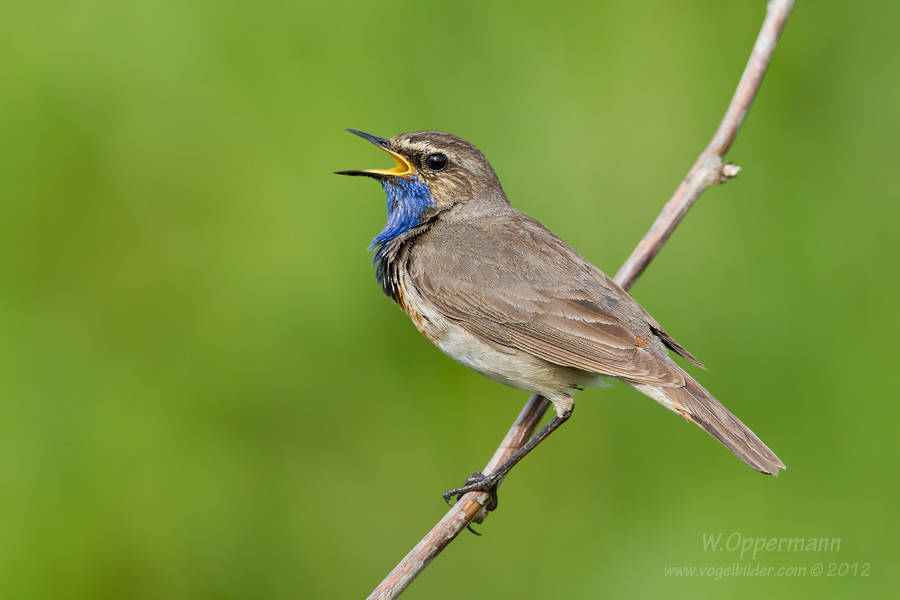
{"x":478,"y":482}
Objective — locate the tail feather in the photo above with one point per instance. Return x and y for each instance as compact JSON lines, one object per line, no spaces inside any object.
{"x":698,"y":406}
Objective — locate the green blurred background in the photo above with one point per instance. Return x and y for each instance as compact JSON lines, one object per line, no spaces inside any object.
{"x":204,"y":394}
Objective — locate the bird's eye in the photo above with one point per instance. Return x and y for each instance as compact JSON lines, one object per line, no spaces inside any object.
{"x":436,"y":162}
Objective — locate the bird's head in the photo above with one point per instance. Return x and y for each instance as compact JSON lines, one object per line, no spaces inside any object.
{"x":435,"y":172}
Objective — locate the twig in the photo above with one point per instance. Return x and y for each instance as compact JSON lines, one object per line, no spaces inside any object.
{"x":707,"y":171}
{"x":469,"y":508}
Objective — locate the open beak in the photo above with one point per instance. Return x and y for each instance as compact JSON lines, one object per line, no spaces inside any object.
{"x":402,"y":169}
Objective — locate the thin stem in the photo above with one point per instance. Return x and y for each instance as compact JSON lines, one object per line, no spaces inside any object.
{"x":470,"y":508}
{"x":707,"y":171}
{"x":491,"y":481}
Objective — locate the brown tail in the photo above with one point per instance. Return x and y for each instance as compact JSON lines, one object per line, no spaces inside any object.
{"x":698,"y":406}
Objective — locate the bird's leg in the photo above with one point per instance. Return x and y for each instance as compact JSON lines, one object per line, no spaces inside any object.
{"x":479,"y":482}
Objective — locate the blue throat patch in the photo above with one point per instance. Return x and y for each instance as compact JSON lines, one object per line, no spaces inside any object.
{"x":407,"y":199}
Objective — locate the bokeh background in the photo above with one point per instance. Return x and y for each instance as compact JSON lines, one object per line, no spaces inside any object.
{"x":204,"y":394}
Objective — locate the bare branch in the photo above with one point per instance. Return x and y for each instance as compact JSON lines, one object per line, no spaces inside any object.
{"x":707,"y":171}
{"x":469,"y":508}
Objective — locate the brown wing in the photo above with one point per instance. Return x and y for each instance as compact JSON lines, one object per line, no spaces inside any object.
{"x":514,"y":284}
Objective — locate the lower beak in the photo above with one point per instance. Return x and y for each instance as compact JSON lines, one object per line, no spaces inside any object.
{"x":403,"y":168}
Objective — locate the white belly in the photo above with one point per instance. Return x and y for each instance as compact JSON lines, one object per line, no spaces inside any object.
{"x":514,"y":368}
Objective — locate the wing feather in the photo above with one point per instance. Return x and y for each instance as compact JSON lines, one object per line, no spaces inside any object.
{"x":525,"y":289}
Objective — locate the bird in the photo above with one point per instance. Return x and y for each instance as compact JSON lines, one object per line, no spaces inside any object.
{"x":501,"y":294}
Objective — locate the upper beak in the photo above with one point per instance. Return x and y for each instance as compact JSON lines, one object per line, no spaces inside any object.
{"x":403,"y":167}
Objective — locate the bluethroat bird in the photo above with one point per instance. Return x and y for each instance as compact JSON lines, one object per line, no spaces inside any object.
{"x":499,"y":293}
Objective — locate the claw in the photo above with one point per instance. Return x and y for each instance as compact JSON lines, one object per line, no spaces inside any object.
{"x":478,"y":482}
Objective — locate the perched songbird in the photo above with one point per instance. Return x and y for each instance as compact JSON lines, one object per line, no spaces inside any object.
{"x":499,"y":293}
